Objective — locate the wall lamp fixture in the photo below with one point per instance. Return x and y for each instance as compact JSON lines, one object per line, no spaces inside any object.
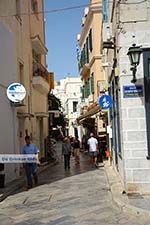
{"x":134,"y":53}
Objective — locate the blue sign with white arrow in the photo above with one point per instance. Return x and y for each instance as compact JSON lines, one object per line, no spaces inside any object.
{"x":105,"y":101}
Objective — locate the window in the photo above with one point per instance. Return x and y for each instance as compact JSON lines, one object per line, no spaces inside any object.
{"x":105,"y":7}
{"x":92,"y":83}
{"x":18,"y":9}
{"x":34,"y":6}
{"x":75,"y":106}
{"x":87,"y":89}
{"x":21,"y":72}
{"x":90,"y":41}
{"x":87,"y":51}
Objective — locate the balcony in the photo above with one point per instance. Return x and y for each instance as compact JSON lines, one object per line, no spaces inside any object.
{"x":40,"y":78}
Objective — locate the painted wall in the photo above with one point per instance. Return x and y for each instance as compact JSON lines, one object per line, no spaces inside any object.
{"x":8,"y":137}
{"x":16,"y":37}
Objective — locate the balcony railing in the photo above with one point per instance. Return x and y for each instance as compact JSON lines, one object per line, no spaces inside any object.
{"x":40,"y":70}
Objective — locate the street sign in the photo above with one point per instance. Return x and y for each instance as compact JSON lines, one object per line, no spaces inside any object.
{"x":133,"y":91}
{"x":16,"y":92}
{"x":105,"y":101}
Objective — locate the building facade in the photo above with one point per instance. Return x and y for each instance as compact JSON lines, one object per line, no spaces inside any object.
{"x":23,"y":60}
{"x":127,"y":25}
{"x":69,"y":92}
{"x":91,"y":70}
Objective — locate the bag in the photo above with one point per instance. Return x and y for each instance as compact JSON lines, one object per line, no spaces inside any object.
{"x":108,"y":154}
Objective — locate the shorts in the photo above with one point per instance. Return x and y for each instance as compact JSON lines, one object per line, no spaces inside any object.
{"x":93,"y":154}
{"x":77,"y":152}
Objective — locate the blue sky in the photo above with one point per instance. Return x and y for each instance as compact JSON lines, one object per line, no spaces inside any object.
{"x":61,"y":32}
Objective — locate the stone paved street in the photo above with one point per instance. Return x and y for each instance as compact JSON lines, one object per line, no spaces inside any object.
{"x":80,"y":196}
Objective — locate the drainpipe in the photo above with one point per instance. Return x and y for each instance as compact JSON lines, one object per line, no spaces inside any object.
{"x":30,"y":65}
{"x":14,"y":133}
{"x":44,"y":26}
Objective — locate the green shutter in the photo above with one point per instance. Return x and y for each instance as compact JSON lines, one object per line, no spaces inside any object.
{"x":90,"y":41}
{"x":87,"y":89}
{"x":92,"y":83}
{"x":82,"y":92}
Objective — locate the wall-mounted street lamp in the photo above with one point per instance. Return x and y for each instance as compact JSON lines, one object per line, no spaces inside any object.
{"x":134,"y":53}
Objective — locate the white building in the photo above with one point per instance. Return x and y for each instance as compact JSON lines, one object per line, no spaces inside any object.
{"x":69,"y":92}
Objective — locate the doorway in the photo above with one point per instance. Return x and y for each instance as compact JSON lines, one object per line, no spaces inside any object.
{"x":146,"y":64}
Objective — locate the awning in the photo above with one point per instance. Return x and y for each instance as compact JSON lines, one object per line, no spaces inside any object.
{"x":24,"y":115}
{"x":38,"y":45}
{"x":92,"y":111}
{"x":41,"y":114}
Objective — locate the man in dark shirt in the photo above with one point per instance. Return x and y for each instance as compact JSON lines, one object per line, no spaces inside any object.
{"x":66,"y":151}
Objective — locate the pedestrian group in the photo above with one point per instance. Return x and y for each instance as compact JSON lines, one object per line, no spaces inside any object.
{"x":70,"y":146}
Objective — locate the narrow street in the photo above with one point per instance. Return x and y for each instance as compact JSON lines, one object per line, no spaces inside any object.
{"x":80,"y":196}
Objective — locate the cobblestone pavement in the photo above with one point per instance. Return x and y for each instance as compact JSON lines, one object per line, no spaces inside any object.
{"x":80,"y":196}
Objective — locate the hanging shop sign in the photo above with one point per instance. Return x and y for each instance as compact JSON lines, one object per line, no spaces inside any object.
{"x":105,"y":101}
{"x":133,"y":91}
{"x":16,"y":92}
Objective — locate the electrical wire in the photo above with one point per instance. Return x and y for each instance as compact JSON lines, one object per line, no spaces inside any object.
{"x":132,"y":3}
{"x":54,"y":10}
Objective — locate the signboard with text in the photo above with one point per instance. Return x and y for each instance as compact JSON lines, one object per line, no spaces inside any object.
{"x":16,"y":92}
{"x":133,"y":91}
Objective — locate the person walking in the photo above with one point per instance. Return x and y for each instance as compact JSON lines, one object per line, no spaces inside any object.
{"x":31,"y":168}
{"x":66,"y":152}
{"x":93,"y":149}
{"x":76,"y":150}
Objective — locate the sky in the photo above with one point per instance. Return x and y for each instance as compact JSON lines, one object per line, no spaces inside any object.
{"x":61,"y":35}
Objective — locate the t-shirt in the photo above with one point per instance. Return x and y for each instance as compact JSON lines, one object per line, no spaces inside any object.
{"x":30,"y":149}
{"x":92,"y":142}
{"x":76,"y":144}
{"x":66,"y":148}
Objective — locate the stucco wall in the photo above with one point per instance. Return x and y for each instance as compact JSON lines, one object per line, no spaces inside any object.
{"x":8,"y":140}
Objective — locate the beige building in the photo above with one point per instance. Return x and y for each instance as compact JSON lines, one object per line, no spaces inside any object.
{"x":90,"y":65}
{"x":23,"y":59}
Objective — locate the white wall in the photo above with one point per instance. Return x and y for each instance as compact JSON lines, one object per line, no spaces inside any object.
{"x":132,"y":111}
{"x":8,"y":73}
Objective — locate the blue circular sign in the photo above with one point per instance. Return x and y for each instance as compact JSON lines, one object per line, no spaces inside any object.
{"x":16,"y":92}
{"x":105,"y":101}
